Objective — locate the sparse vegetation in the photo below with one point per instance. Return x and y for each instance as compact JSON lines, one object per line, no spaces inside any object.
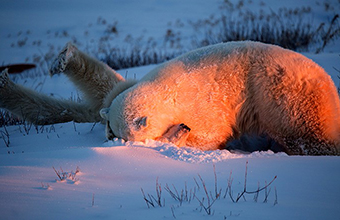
{"x":45,"y":186}
{"x":67,"y":176}
{"x":120,"y":58}
{"x":338,"y":70}
{"x":5,"y":136}
{"x":183,"y":196}
{"x":245,"y":191}
{"x":92,"y":199}
{"x":207,"y":198}
{"x":154,"y":200}
{"x":7,"y":118}
{"x":210,"y":198}
{"x":290,"y":28}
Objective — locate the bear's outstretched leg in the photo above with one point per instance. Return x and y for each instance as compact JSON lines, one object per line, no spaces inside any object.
{"x":177,"y":135}
{"x":39,"y":108}
{"x":94,"y":78}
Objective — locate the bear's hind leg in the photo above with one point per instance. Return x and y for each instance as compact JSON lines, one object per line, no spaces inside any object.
{"x":39,"y":108}
{"x":176,"y":134}
{"x":94,"y":78}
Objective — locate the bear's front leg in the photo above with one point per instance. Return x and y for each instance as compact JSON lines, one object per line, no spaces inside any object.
{"x":94,"y":78}
{"x":176,"y":134}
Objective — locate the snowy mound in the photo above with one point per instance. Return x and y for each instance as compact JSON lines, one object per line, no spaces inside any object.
{"x":188,"y":154}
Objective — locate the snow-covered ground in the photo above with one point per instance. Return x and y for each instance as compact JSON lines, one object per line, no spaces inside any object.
{"x":112,"y":174}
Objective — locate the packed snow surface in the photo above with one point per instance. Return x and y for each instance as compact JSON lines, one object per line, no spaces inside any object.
{"x":112,"y":174}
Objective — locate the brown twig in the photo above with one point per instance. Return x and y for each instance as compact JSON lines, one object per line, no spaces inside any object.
{"x":245,"y":191}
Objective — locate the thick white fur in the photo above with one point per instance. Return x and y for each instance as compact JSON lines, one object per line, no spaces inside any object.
{"x":226,"y":90}
{"x":39,"y":108}
{"x":220,"y":92}
{"x":95,"y":79}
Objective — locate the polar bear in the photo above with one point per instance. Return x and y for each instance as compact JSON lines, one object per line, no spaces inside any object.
{"x":204,"y":99}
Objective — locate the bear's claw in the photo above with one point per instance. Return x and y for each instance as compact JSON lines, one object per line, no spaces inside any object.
{"x":177,"y":134}
{"x":183,"y":126}
{"x":60,"y":63}
{"x":4,"y":78}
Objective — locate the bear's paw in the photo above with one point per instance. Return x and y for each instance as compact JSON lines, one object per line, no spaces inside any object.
{"x":4,"y":78}
{"x":60,"y":63}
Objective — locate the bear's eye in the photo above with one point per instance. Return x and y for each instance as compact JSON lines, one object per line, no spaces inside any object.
{"x":140,"y":122}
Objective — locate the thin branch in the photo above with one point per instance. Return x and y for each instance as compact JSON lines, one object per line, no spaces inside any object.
{"x":5,"y":136}
{"x":217,"y":193}
{"x":250,"y":192}
{"x":205,"y":189}
{"x":147,"y":201}
{"x":173,"y":211}
{"x":266,"y":186}
{"x":92,"y":199}
{"x":198,"y":186}
{"x":276,"y":201}
{"x":57,"y":172}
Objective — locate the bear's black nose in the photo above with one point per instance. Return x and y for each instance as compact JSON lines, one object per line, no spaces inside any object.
{"x":185,"y":127}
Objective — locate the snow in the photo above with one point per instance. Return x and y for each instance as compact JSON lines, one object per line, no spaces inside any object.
{"x":112,"y":173}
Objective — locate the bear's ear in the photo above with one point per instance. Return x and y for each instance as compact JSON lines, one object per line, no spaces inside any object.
{"x":104,"y":113}
{"x":140,"y":122}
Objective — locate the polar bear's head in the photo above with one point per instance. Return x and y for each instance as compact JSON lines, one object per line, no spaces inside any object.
{"x":137,"y":114}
